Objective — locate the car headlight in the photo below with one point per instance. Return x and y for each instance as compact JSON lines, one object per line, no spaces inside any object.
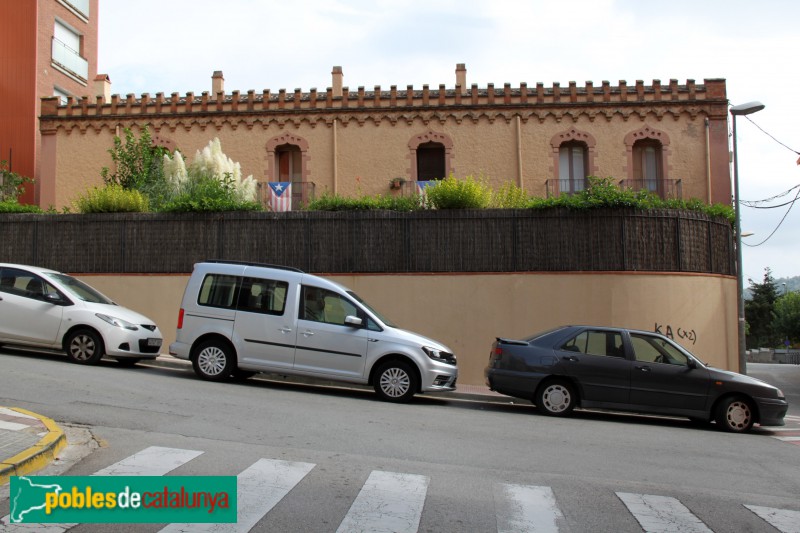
{"x":118,"y":322}
{"x":439,"y":355}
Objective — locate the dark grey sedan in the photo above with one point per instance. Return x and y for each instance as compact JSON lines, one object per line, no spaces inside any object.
{"x":628,"y":370}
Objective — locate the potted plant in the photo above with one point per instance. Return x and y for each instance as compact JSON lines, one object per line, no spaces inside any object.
{"x":396,"y":183}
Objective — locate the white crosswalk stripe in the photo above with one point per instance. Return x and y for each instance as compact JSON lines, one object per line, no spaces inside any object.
{"x":658,"y":514}
{"x":783,"y":520}
{"x":389,"y":502}
{"x":395,"y":502}
{"x":259,"y":488}
{"x":525,"y":508}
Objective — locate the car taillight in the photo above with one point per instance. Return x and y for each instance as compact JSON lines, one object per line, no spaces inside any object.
{"x":180,"y":319}
{"x":497,"y":352}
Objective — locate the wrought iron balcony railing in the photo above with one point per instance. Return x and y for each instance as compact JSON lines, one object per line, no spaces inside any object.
{"x":663,"y":188}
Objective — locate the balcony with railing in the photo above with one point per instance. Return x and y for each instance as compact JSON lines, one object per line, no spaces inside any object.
{"x":557,"y":187}
{"x":666,"y":189}
{"x":70,"y":60}
{"x":663,"y":188}
{"x":302,"y":194}
{"x":80,"y":7}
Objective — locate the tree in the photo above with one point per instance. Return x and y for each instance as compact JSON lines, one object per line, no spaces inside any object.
{"x":787,"y":317}
{"x":138,"y":162}
{"x":759,"y":313}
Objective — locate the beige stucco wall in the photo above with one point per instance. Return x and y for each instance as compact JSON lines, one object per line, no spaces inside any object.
{"x":466,"y":311}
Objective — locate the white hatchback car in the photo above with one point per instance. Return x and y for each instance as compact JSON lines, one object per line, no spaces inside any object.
{"x":42,"y":308}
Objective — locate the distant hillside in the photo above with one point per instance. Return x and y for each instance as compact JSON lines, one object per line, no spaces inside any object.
{"x":792,"y":284}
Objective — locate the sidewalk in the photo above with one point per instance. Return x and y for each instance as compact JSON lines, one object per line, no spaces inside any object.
{"x":29,"y":442}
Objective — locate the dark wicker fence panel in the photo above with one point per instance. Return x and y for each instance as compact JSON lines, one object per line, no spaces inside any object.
{"x":376,"y":241}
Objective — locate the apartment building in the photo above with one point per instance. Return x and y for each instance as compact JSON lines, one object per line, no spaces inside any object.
{"x":47,"y":48}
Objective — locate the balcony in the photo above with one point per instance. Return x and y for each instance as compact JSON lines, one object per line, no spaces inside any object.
{"x":79,"y":7}
{"x":70,"y":61}
{"x":566,"y":186}
{"x":666,"y":189}
{"x":302,"y":194}
{"x":663,"y":188}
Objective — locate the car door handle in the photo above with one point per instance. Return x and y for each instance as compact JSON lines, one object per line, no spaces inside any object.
{"x":572,"y":359}
{"x":285,"y":330}
{"x":308,"y":334}
{"x":642,"y":368}
{"x":373,"y":340}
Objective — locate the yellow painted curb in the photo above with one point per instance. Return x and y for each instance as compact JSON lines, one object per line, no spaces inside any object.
{"x":37,"y":456}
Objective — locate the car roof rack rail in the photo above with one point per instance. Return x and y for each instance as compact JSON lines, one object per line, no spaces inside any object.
{"x":250,"y":263}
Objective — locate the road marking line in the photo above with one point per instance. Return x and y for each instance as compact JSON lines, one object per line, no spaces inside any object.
{"x":658,"y":514}
{"x":259,"y":488}
{"x":526,"y":508}
{"x":152,"y":461}
{"x":388,"y":502}
{"x":783,"y":520}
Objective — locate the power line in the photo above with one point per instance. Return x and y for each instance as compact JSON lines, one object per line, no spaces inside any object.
{"x":779,"y":223}
{"x":770,"y":136}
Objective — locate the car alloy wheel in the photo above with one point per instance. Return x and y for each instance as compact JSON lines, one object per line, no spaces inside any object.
{"x":213,"y":361}
{"x":736,"y":415}
{"x":395,"y":382}
{"x":556,"y":399}
{"x":84,"y":347}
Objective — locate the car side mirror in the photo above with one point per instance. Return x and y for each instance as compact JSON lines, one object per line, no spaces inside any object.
{"x":353,"y":321}
{"x":692,"y":364}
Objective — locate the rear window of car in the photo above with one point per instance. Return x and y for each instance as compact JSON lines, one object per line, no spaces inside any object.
{"x":254,"y":295}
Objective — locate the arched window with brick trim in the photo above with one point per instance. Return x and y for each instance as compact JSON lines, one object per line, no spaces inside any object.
{"x":431,"y":156}
{"x":648,"y":162}
{"x":573,"y":161}
{"x":287,"y":160}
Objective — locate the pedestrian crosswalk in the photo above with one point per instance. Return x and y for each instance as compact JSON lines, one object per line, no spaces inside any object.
{"x":790,"y":432}
{"x":395,"y":501}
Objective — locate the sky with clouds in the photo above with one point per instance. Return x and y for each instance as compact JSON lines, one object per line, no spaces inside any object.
{"x":155,"y":46}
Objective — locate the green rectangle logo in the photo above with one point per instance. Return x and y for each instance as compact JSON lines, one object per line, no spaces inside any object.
{"x":122,"y":499}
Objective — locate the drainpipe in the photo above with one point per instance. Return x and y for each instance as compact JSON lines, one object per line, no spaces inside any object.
{"x":708,"y":159}
{"x":335,"y":156}
{"x":519,"y":152}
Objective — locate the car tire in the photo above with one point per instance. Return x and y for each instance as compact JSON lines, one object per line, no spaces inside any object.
{"x":735,"y":414}
{"x":128,"y":362}
{"x":84,"y":347}
{"x":395,"y":381}
{"x":240,"y":375}
{"x":214,"y":361}
{"x":556,"y":398}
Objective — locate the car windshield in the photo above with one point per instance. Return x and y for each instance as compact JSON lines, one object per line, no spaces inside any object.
{"x":79,"y":289}
{"x":382,"y":318}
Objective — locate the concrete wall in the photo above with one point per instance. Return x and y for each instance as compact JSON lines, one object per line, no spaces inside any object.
{"x":467,"y":311}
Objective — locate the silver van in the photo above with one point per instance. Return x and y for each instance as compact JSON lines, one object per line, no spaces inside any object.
{"x":238,"y":319}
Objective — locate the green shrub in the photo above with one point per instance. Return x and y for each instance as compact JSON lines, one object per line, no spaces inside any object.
{"x":452,"y":193}
{"x":10,"y":183}
{"x":138,"y":162}
{"x":11,"y":206}
{"x":510,"y":196}
{"x":209,"y":194}
{"x":112,"y":198}
{"x":332,"y":202}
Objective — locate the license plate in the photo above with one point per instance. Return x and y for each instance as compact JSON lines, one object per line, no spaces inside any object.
{"x":154,"y":342}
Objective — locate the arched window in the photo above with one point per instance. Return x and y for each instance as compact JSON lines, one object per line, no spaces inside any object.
{"x":287,"y":160}
{"x":431,"y":161}
{"x":573,"y":161}
{"x":430,"y":155}
{"x":573,"y":158}
{"x":647,"y":164}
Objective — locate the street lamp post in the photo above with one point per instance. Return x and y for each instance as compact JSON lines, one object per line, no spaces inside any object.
{"x":741,"y":109}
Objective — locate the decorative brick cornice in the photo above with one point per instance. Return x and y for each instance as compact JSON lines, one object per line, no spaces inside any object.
{"x":252,"y":110}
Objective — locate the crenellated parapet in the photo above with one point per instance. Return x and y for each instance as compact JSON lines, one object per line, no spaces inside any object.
{"x":430,"y":105}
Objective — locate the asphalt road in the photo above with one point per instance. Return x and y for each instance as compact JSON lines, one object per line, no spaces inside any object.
{"x":472,"y":454}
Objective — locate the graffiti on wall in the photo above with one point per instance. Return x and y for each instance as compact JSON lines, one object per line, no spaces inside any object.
{"x":671,"y":333}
